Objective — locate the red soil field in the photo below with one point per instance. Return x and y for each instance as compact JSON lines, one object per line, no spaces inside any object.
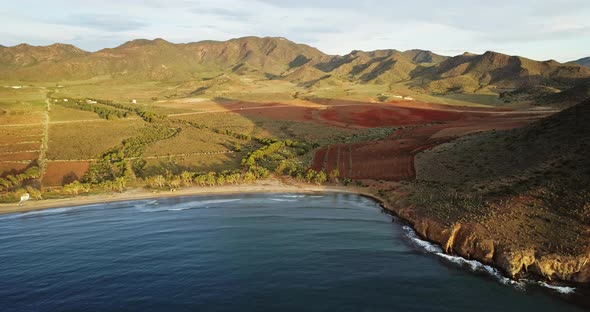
{"x":393,"y":158}
{"x":292,"y":113}
{"x":382,"y":116}
{"x":351,"y":114}
{"x":10,"y":168}
{"x":389,"y":159}
{"x":19,"y":156}
{"x":63,"y":172}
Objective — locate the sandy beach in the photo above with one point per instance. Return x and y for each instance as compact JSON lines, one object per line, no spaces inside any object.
{"x":263,"y":186}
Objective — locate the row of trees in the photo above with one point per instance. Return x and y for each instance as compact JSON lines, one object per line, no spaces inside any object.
{"x":117,"y":163}
{"x":119,"y":184}
{"x":11,"y":182}
{"x":146,"y":115}
{"x":14,"y":196}
{"x":265,"y":151}
{"x":240,"y":136}
{"x":186,"y":178}
{"x":101,"y":111}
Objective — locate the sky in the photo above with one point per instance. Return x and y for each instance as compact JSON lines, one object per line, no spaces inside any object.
{"x":539,"y":29}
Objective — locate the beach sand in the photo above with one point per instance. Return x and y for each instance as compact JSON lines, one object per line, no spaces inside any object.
{"x":263,"y":186}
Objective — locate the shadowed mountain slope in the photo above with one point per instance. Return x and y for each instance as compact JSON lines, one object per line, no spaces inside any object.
{"x":546,"y":157}
{"x":471,"y":73}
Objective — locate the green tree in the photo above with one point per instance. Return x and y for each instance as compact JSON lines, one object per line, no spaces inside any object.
{"x":73,"y":188}
{"x":175,"y":182}
{"x":187,"y":178}
{"x":310,"y":175}
{"x":35,"y":193}
{"x":320,"y":177}
{"x":201,"y":180}
{"x":157,"y":181}
{"x":210,"y":179}
{"x":334,"y":176}
{"x":249,"y":177}
{"x":119,"y":184}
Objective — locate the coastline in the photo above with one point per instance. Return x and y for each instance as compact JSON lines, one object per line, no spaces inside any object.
{"x":268,"y":186}
{"x":462,"y":241}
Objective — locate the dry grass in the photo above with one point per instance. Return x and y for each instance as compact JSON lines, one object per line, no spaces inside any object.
{"x":204,"y":163}
{"x":61,"y":113}
{"x":24,"y":156}
{"x":12,"y":148}
{"x":224,"y":121}
{"x":191,"y":140}
{"x":89,"y":139}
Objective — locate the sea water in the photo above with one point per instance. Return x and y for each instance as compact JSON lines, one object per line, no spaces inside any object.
{"x":279,"y":252}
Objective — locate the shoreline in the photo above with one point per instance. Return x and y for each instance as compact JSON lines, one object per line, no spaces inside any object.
{"x":270,"y":186}
{"x":425,"y":228}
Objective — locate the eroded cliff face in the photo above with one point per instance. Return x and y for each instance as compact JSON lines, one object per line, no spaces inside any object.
{"x":472,"y":241}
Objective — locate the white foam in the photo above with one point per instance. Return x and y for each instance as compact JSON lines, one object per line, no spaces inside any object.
{"x":44,"y":212}
{"x":473,"y":265}
{"x":566,"y":290}
{"x":181,"y":206}
{"x":292,"y":196}
{"x":283,"y":200}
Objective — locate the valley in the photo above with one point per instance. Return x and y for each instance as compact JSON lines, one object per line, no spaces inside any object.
{"x":480,"y":153}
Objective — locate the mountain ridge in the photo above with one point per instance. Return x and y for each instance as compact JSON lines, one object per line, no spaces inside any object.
{"x":585,"y":61}
{"x":280,"y":58}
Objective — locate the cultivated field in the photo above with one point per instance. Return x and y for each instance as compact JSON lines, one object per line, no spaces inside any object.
{"x":88,"y":139}
{"x":350,"y":126}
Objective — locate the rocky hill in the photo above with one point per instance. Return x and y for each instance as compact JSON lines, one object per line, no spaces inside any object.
{"x":24,"y":55}
{"x":544,"y":155}
{"x":491,"y":70}
{"x":159,"y":59}
{"x":517,"y":199}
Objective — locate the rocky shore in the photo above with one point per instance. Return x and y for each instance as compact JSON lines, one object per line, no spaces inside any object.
{"x":466,"y":240}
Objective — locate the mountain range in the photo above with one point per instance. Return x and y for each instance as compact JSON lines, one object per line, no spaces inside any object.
{"x":279,"y":58}
{"x":585,"y":61}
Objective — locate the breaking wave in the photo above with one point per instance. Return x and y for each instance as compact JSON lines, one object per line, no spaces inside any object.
{"x":292,"y":196}
{"x":153,"y":206}
{"x":566,"y":290}
{"x":476,"y":266}
{"x":283,"y":200}
{"x":44,"y":212}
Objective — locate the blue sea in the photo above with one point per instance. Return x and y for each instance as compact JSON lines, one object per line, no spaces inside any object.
{"x":279,"y":252}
